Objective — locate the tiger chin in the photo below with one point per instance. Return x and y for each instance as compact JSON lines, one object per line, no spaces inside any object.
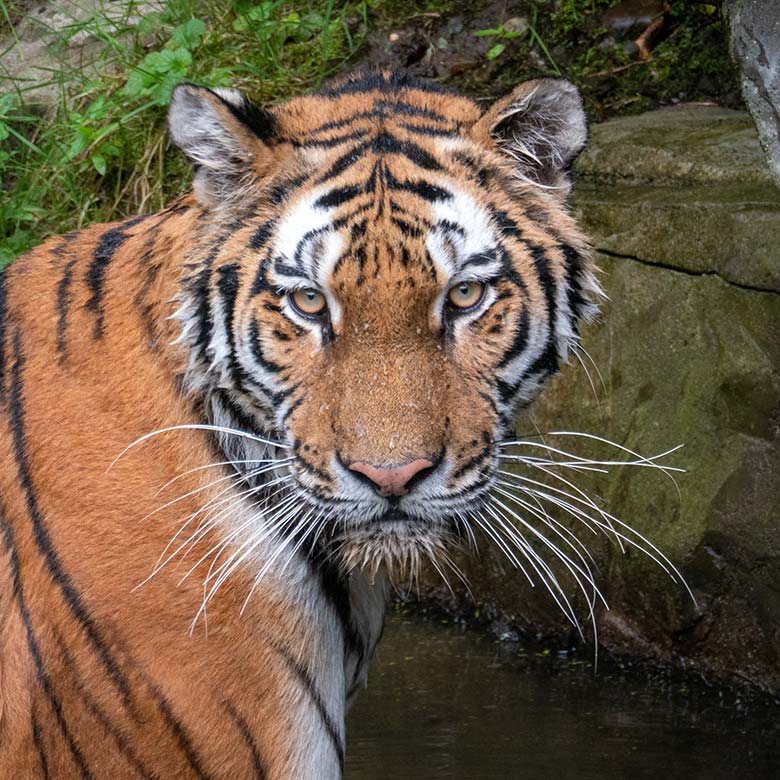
{"x":226,"y":425}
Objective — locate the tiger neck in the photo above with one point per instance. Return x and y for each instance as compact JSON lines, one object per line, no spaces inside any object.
{"x":326,"y":639}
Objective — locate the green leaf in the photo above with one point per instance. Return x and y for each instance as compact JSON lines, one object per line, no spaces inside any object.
{"x":99,"y":163}
{"x":496,"y":51}
{"x":7,"y":102}
{"x":493,"y":31}
{"x":136,"y":82}
{"x":190,"y":34}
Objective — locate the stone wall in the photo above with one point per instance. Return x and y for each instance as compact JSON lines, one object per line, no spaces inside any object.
{"x":686,"y":224}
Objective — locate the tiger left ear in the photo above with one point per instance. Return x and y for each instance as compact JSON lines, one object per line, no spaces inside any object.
{"x":541,"y":125}
{"x":226,"y":138}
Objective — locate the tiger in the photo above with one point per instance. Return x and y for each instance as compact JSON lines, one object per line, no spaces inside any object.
{"x":229,"y":427}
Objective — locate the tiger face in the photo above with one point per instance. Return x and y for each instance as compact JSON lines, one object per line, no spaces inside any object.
{"x":381,"y":276}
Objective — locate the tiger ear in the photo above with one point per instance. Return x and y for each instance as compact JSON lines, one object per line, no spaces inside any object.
{"x":541,"y":125}
{"x":225,"y":137}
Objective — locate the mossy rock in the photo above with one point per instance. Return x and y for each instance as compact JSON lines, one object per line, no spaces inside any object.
{"x":688,"y":348}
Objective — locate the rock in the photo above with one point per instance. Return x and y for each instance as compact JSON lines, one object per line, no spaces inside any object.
{"x":688,"y":143}
{"x":687,"y":223}
{"x":631,"y":15}
{"x":755,"y":45}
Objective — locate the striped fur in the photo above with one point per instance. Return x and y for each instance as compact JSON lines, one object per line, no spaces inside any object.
{"x":236,"y":659}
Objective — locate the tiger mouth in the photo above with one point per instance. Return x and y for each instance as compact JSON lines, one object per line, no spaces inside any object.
{"x":395,"y":515}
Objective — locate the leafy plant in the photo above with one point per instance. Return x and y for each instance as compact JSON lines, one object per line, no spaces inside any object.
{"x":100,"y":153}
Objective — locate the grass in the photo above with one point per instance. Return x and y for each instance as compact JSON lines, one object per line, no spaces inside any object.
{"x":99,"y":150}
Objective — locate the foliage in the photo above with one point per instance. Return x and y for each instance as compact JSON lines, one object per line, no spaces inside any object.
{"x":100,"y":154}
{"x":567,"y":38}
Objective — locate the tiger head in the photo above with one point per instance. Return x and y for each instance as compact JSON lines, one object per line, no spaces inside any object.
{"x":382,"y":274}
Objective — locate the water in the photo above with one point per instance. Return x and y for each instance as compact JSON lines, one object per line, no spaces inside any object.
{"x":446,"y":703}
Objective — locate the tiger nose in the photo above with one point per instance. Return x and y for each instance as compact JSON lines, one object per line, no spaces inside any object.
{"x":392,"y":481}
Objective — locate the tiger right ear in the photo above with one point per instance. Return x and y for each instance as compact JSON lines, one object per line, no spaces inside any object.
{"x":541,"y":125}
{"x":225,"y":137}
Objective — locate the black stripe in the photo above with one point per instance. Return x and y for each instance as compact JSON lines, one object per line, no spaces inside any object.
{"x":305,"y":678}
{"x":260,"y":237}
{"x":336,"y":592}
{"x":382,"y":81}
{"x":473,"y":462}
{"x":63,"y":306}
{"x":574,"y":262}
{"x":249,"y":740}
{"x":153,"y":267}
{"x":120,"y":740}
{"x":385,"y":143}
{"x":520,"y":340}
{"x":334,"y":140}
{"x":428,"y":130}
{"x":398,"y":107}
{"x":38,"y":741}
{"x":345,"y":162}
{"x":244,"y":422}
{"x":178,"y":730}
{"x":42,"y":538}
{"x":257,"y":350}
{"x":337,"y":124}
{"x":280,"y":191}
{"x":261,"y":283}
{"x":3,"y":321}
{"x":9,"y":545}
{"x":227,"y":286}
{"x":200,"y":287}
{"x":261,"y":122}
{"x":338,"y":196}
{"x":107,"y":246}
{"x":548,"y":361}
{"x":422,"y":189}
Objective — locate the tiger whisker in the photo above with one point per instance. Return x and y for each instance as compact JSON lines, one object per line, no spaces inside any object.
{"x":265,"y":526}
{"x":268,"y":565}
{"x":278,"y":461}
{"x":204,"y":527}
{"x":215,"y":501}
{"x":493,"y":534}
{"x":641,"y":461}
{"x":587,"y":373}
{"x":542,"y":514}
{"x":540,"y":566}
{"x":585,"y":497}
{"x":573,"y":567}
{"x":580,"y":348}
{"x":224,"y":478}
{"x":584,"y":570}
{"x":198,"y":427}
{"x":653,"y":552}
{"x":228,"y":538}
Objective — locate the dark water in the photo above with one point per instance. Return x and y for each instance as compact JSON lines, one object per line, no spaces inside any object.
{"x":446,"y":703}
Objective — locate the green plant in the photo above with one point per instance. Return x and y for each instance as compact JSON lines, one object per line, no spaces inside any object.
{"x":502,"y":34}
{"x":99,"y":153}
{"x":520,"y":29}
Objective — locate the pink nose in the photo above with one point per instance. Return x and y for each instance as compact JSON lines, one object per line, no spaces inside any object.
{"x":392,"y":482}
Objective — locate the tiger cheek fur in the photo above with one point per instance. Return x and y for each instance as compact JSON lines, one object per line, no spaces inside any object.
{"x":314,"y":357}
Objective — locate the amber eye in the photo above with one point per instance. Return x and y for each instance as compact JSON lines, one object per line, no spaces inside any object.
{"x":464,"y":295}
{"x":309,"y":302}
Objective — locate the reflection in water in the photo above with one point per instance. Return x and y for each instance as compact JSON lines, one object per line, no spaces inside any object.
{"x":443,"y":703}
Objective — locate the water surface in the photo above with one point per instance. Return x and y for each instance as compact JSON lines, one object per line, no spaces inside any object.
{"x":447,"y":703}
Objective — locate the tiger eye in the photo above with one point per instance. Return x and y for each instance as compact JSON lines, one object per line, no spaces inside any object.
{"x":309,"y":302}
{"x":464,"y":295}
